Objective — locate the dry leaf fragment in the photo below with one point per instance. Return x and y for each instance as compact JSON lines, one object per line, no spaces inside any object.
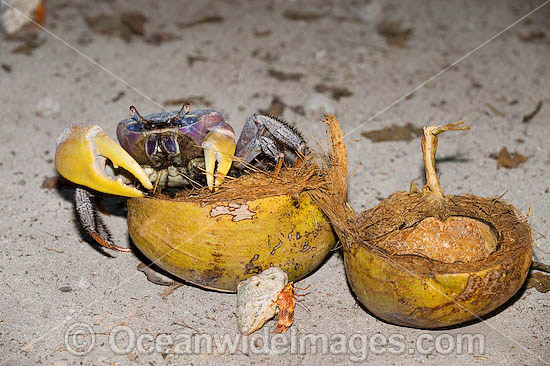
{"x":125,"y":26}
{"x":533,"y":36}
{"x":276,"y":108}
{"x":28,"y":46}
{"x":336,"y":92}
{"x":158,"y":38}
{"x":209,"y":19}
{"x":528,"y":117}
{"x":285,"y":76}
{"x":301,"y":15}
{"x":55,"y":182}
{"x":539,"y":281}
{"x":194,"y":100}
{"x":156,"y":277}
{"x":395,"y":35}
{"x":509,"y":161}
{"x":394,"y":133}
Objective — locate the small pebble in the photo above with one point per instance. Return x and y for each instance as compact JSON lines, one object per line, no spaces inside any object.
{"x":65,"y":289}
{"x":14,"y":17}
{"x":370,"y":13}
{"x":83,"y":283}
{"x":320,"y":54}
{"x":48,"y":107}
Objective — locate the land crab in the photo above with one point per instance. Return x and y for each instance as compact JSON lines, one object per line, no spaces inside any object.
{"x":172,"y":149}
{"x":209,"y":239}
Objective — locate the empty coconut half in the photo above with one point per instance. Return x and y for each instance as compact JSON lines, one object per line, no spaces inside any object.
{"x":429,"y":260}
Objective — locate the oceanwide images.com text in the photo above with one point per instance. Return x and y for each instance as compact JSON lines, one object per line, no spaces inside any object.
{"x":81,"y":339}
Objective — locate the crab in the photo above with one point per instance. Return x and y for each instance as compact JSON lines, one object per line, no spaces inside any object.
{"x":184,"y":148}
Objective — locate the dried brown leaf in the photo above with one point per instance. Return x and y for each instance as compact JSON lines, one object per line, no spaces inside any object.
{"x":532,"y":36}
{"x":54,"y":182}
{"x":539,"y":281}
{"x":284,"y":76}
{"x":394,"y":133}
{"x":276,"y":108}
{"x":301,"y":15}
{"x":395,"y":35}
{"x":529,"y":116}
{"x":336,"y":92}
{"x":509,"y":161}
{"x":193,"y":100}
{"x":209,"y":19}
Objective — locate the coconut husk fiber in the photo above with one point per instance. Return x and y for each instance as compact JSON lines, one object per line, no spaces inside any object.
{"x":313,"y":174}
{"x":404,"y":210}
{"x":260,"y":184}
{"x":401,"y":284}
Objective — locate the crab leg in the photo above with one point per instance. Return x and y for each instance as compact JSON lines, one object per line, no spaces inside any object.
{"x":81,"y":157}
{"x":281,"y":158}
{"x":91,"y":222}
{"x":218,"y":146}
{"x":266,"y":134}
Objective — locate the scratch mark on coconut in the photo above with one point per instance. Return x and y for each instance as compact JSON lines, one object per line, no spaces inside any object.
{"x":218,"y":257}
{"x":238,"y":211}
{"x":276,"y":247}
{"x":250,"y":267}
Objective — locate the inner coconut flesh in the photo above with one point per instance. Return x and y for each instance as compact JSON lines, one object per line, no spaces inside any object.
{"x":457,"y":239}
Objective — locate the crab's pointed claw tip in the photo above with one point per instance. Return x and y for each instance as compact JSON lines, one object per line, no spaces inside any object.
{"x":218,"y":145}
{"x":81,"y":155}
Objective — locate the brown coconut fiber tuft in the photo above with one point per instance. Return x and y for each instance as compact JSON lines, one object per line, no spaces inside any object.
{"x":312,"y":175}
{"x":404,"y":211}
{"x":424,"y":232}
{"x":260,"y":184}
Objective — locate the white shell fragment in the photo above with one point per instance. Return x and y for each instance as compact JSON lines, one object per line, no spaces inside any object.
{"x":257,"y":299}
{"x":19,"y":13}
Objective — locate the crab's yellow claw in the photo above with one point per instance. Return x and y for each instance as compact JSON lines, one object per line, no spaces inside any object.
{"x":81,"y":157}
{"x":218,"y":145}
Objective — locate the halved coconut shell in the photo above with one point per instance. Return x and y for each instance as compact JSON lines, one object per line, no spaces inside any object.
{"x":216,"y":240}
{"x":419,"y":291}
{"x":426,"y":260}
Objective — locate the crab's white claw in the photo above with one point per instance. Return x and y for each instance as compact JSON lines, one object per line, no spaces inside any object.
{"x":218,"y":145}
{"x":81,"y":155}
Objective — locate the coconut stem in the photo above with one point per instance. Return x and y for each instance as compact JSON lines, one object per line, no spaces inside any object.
{"x":429,"y":147}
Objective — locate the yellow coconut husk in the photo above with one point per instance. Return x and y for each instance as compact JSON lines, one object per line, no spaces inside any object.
{"x":216,"y":240}
{"x":423,"y":259}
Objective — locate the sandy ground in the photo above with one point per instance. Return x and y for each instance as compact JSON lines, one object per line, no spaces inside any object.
{"x":221,"y":54}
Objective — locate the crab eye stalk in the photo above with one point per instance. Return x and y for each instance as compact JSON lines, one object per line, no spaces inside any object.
{"x":135,"y":114}
{"x":184,"y":110}
{"x":180,"y":116}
